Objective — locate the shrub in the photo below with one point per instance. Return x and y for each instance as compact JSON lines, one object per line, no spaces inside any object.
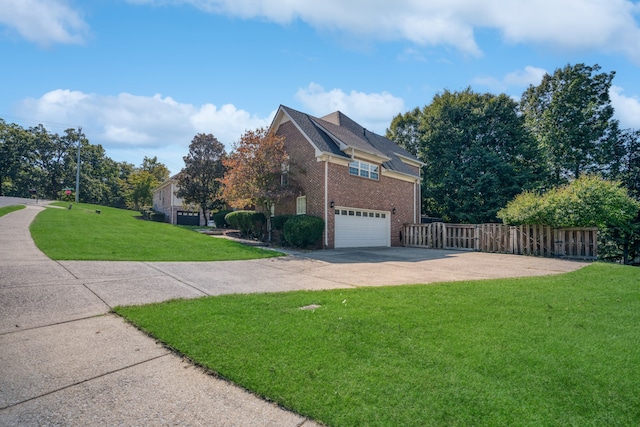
{"x":218,"y":218}
{"x":250,"y":223}
{"x":157,"y":216}
{"x":277,"y":222}
{"x":146,"y":213}
{"x":588,"y":201}
{"x":303,"y":230}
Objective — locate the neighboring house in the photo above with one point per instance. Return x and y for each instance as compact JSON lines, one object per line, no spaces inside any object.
{"x":362,"y":184}
{"x":166,"y":201}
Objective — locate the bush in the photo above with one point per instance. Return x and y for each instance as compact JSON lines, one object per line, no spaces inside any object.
{"x":277,"y":222}
{"x":303,"y":230}
{"x":157,"y":216}
{"x":250,"y":223}
{"x":218,"y":218}
{"x":588,"y":201}
{"x":146,"y":213}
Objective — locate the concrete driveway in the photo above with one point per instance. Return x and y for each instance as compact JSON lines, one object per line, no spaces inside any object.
{"x":64,"y":360}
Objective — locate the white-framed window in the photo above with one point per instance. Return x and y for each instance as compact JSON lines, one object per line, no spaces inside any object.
{"x":284,"y":176}
{"x":301,"y":205}
{"x":364,"y":169}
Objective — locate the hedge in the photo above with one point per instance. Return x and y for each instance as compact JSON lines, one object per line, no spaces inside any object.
{"x":250,"y":223}
{"x":303,"y":230}
{"x":218,"y":218}
{"x":278,"y":221}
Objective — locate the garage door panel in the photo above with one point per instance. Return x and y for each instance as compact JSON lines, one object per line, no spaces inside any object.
{"x":362,"y":228}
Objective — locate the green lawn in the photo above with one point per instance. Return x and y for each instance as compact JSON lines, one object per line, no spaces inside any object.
{"x":557,"y":350}
{"x":8,"y":209}
{"x":117,"y":235}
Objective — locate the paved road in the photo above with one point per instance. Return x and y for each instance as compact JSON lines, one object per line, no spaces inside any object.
{"x":8,"y":201}
{"x":64,"y":360}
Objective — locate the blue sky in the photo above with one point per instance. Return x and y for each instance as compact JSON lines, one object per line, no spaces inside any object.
{"x":142,"y":77}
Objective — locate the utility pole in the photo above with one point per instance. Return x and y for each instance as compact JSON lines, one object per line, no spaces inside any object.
{"x":78,"y":171}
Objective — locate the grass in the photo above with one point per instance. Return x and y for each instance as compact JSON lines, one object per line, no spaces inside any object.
{"x":81,"y":233}
{"x":8,"y":209}
{"x":557,"y":350}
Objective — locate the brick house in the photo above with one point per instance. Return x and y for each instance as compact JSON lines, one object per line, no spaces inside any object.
{"x":363,"y":185}
{"x":166,"y":201}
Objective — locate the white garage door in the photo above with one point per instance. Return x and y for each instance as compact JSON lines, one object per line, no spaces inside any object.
{"x":356,"y":228}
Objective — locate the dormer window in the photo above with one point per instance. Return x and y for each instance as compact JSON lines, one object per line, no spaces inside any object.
{"x":364,"y":169}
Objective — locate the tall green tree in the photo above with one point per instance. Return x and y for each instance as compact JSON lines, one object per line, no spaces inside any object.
{"x":477,"y":153}
{"x":140,"y":189}
{"x":54,"y":155}
{"x":159,"y":171}
{"x":16,"y":157}
{"x":405,"y":130}
{"x":629,"y":171}
{"x":570,"y":115}
{"x":199,"y":180}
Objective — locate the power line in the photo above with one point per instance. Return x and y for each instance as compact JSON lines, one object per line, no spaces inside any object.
{"x":34,"y":122}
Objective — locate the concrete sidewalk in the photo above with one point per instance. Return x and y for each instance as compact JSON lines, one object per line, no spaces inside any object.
{"x":64,"y":360}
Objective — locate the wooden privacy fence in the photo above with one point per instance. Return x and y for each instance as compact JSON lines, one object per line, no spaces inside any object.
{"x":539,"y":240}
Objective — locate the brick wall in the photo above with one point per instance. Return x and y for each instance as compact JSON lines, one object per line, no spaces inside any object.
{"x":162,"y":203}
{"x":344,"y":190}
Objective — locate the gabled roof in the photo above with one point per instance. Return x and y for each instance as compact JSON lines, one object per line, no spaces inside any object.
{"x":338,"y":135}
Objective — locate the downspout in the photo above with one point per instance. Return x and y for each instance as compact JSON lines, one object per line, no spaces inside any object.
{"x":419,"y":183}
{"x":326,"y":202}
{"x":415,"y":191}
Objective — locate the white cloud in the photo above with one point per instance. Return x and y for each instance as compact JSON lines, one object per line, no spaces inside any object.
{"x":529,"y":76}
{"x":44,"y":22}
{"x":519,"y":79}
{"x":627,"y":108}
{"x":600,"y":25}
{"x":374,"y":111}
{"x":148,"y":123}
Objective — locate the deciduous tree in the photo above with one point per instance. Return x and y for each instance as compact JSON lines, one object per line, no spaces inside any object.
{"x":570,"y":115}
{"x":255,"y":169}
{"x":405,"y":130}
{"x":199,"y":180}
{"x":477,"y":154}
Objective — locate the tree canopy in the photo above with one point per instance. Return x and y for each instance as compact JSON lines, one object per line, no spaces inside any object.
{"x":36,"y":159}
{"x":255,"y":169}
{"x":480,"y":150}
{"x":199,"y":180}
{"x":570,"y":115}
{"x":477,"y":154}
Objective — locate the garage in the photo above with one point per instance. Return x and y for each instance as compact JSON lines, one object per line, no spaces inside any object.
{"x":355,"y":228}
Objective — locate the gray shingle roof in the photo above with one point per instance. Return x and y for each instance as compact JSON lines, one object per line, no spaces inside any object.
{"x":332,"y":133}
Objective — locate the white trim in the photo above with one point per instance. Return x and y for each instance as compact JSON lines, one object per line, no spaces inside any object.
{"x":326,"y":201}
{"x":366,"y":167}
{"x":331,"y":158}
{"x":357,"y":153}
{"x":410,"y":161}
{"x":399,"y":175}
{"x":299,"y":201}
